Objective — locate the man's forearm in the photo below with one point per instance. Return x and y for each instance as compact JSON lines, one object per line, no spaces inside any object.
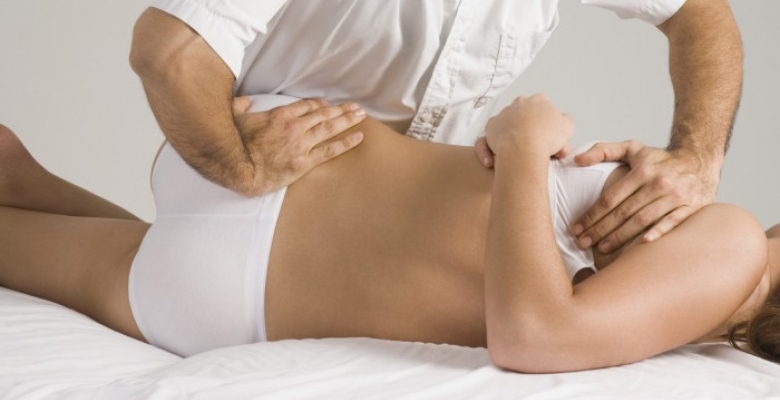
{"x":665,"y":187}
{"x":190,"y":91}
{"x":705,"y":57}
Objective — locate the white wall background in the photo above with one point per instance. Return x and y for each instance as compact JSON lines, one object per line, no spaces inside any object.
{"x":66,"y":88}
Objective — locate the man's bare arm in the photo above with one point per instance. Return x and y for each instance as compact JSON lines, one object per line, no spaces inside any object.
{"x":705,"y":62}
{"x":190,"y":90}
{"x":667,"y":186}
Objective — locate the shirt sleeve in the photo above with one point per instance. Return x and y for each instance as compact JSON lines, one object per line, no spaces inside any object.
{"x":655,"y":12}
{"x":228,"y":26}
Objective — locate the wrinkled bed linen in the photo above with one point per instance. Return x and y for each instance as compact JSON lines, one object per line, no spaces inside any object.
{"x":50,"y":352}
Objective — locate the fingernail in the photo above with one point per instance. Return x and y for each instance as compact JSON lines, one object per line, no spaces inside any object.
{"x":585,"y":242}
{"x":605,"y":247}
{"x":360,"y":112}
{"x":651,"y":237}
{"x":577,"y":229}
{"x":486,"y":161}
{"x":354,"y":106}
{"x":357,"y":136}
{"x":325,"y":102}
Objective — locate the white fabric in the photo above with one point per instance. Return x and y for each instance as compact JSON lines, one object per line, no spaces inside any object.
{"x":572,"y":190}
{"x":228,"y":26}
{"x":198,"y":280}
{"x":654,"y":12}
{"x":50,"y":352}
{"x":430,"y":68}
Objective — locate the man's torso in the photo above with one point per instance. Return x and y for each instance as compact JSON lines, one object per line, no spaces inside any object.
{"x":432,"y":68}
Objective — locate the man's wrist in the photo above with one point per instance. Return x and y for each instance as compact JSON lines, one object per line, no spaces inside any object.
{"x":239,"y":168}
{"x":710,"y":162}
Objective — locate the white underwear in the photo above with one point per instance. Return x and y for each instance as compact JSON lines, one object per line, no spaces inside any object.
{"x":198,"y":280}
{"x":572,"y":190}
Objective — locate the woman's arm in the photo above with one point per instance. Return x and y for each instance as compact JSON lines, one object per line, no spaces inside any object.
{"x":525,"y":279}
{"x":526,"y":285}
{"x":653,"y":298}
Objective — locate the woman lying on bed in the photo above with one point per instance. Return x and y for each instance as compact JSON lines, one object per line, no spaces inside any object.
{"x":397,"y":239}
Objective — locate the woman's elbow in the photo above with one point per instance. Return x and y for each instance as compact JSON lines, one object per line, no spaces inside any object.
{"x":530,"y":358}
{"x":560,"y":342}
{"x":545,"y":357}
{"x":506,"y":357}
{"x":534,"y":351}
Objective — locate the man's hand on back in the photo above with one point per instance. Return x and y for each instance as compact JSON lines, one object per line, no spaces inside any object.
{"x":661,"y":191}
{"x":287,"y":142}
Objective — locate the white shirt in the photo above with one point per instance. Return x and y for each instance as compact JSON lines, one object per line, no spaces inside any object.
{"x":430,"y":68}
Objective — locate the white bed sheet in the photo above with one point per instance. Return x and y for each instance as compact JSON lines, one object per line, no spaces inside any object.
{"x":50,"y":352}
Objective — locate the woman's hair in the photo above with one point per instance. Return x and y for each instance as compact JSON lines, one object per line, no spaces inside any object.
{"x":761,"y":333}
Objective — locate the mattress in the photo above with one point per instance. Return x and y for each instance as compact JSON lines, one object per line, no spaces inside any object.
{"x":50,"y":352}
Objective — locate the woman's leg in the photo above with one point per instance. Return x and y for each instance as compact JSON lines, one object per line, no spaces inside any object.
{"x":63,"y":243}
{"x":79,"y":262}
{"x":24,"y":183}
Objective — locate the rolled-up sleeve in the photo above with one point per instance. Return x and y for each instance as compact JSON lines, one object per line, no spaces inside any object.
{"x":228,"y":26}
{"x":655,"y":12}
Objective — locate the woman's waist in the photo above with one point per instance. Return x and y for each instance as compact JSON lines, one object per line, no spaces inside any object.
{"x":180,"y":191}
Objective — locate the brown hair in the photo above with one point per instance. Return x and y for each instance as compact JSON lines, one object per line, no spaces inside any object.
{"x":761,"y":333}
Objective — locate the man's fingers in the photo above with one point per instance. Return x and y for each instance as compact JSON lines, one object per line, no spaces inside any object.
{"x":241,"y":105}
{"x":611,"y":198}
{"x":614,"y":222}
{"x":564,"y":152}
{"x":673,"y":187}
{"x":602,"y":152}
{"x":669,"y":222}
{"x":483,"y":152}
{"x":638,"y":222}
{"x":298,"y":109}
{"x":323,"y":114}
{"x":332,"y":127}
{"x":594,"y":155}
{"x":335,"y":148}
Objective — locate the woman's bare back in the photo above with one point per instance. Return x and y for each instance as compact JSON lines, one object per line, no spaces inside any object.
{"x":386,"y":241}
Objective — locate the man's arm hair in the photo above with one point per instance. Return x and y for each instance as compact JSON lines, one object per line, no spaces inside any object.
{"x":705,"y":62}
{"x":190,"y":90}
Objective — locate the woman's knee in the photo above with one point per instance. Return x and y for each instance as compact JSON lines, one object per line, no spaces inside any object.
{"x":11,"y":148}
{"x":7,"y":136}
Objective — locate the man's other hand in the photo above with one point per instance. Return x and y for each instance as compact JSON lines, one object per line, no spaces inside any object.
{"x":662,"y":189}
{"x":286,"y":142}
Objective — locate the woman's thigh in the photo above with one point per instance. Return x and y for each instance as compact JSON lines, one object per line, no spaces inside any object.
{"x":80,"y":262}
{"x":25,"y":183}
